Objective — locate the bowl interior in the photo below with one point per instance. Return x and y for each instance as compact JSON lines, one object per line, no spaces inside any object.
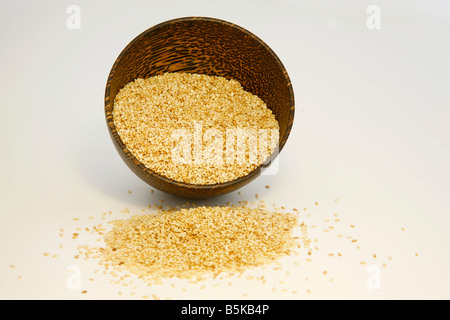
{"x":206,"y":46}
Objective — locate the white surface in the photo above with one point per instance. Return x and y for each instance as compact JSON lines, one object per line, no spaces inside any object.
{"x":371,"y":129}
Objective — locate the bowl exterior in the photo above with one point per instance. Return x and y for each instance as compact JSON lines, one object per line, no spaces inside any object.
{"x":205,"y":46}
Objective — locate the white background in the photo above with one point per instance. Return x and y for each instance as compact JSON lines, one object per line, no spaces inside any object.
{"x":371,"y":130}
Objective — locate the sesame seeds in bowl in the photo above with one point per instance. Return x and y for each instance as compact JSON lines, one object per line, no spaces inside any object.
{"x":198,"y":107}
{"x":195,"y":129}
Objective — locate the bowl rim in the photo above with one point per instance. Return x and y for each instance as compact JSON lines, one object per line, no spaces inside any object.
{"x":109,"y":105}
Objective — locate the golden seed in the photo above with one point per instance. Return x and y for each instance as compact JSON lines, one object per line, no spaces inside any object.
{"x":161,"y":245}
{"x":160,"y":105}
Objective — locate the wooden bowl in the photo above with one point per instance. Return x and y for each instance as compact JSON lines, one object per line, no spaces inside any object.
{"x":206,"y":46}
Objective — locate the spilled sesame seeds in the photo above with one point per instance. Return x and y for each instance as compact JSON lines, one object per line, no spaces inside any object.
{"x":152,"y":247}
{"x":195,"y":242}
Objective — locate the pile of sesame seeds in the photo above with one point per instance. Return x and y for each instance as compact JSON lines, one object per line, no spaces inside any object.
{"x":314,"y":248}
{"x":197,"y":242}
{"x":200,"y":117}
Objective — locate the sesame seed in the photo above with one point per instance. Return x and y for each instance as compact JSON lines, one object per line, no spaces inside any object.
{"x":196,"y":108}
{"x":193,"y":242}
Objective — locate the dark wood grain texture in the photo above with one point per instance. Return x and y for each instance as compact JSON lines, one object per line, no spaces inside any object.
{"x":206,"y":46}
